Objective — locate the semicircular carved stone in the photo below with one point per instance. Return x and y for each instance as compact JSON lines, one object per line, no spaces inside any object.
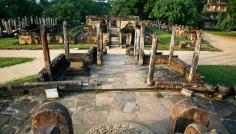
{"x":53,"y":113}
{"x":118,"y":128}
{"x":184,"y":113}
{"x":195,"y":128}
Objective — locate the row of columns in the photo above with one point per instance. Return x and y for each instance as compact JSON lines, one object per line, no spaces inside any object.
{"x":21,"y":23}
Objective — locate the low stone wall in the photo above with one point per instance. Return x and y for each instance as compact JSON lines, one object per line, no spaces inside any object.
{"x":38,"y":87}
{"x":179,"y":85}
{"x":177,"y":65}
{"x":91,"y":56}
{"x":58,"y":64}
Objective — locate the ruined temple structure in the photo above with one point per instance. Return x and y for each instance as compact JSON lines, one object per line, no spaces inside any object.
{"x":211,"y":10}
{"x":117,"y":31}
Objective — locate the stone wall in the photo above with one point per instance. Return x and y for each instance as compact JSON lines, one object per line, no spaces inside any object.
{"x":177,"y":65}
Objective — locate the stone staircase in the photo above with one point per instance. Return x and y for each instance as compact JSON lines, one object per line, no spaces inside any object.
{"x":114,"y":37}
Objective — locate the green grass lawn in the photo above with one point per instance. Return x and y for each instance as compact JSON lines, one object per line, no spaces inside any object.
{"x":164,"y":41}
{"x":222,"y":33}
{"x":30,"y":79}
{"x":218,"y":74}
{"x":11,"y":43}
{"x":10,"y":61}
{"x":71,"y":30}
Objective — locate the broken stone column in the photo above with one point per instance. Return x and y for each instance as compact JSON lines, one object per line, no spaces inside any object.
{"x":47,"y":61}
{"x":195,"y":56}
{"x":53,"y":113}
{"x":6,"y":26}
{"x":31,"y":20}
{"x":9,"y":26}
{"x":37,"y":20}
{"x":43,"y":21}
{"x":99,"y":62}
{"x":172,"y":44}
{"x":136,"y":58}
{"x":141,"y":48}
{"x":152,"y":60}
{"x":101,"y":41}
{"x":55,"y":20}
{"x":66,"y":42}
{"x":186,"y":112}
{"x":40,"y":21}
{"x":120,"y":37}
{"x":196,"y":128}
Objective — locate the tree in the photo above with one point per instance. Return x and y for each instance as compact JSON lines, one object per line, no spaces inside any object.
{"x":224,"y":22}
{"x":231,"y":9}
{"x":176,"y":12}
{"x":129,"y":7}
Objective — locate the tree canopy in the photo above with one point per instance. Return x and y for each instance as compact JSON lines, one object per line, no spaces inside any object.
{"x":231,"y":9}
{"x":176,"y":12}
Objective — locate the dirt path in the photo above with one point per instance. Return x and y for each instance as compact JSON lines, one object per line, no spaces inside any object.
{"x":226,"y":57}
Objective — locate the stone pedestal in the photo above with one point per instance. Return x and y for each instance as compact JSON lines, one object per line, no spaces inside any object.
{"x":77,"y":66}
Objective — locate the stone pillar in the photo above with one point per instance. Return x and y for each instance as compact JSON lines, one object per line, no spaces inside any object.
{"x":99,"y":62}
{"x":130,"y":38}
{"x":141,"y":48}
{"x":0,"y":31}
{"x":101,"y":41}
{"x":15,"y":24}
{"x":47,"y":61}
{"x":186,"y":112}
{"x":31,"y":20}
{"x":135,"y":42}
{"x":53,"y":113}
{"x":9,"y":26}
{"x":26,"y":22}
{"x":55,"y":20}
{"x":6,"y":26}
{"x":120,"y":37}
{"x":20,"y":25}
{"x":43,"y":21}
{"x":66,"y":42}
{"x":137,"y":45}
{"x":152,"y":60}
{"x":37,"y":20}
{"x":195,"y":56}
{"x":40,"y":21}
{"x":172,"y":44}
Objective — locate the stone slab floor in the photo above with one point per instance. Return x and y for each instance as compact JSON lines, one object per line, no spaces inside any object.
{"x":89,"y":109}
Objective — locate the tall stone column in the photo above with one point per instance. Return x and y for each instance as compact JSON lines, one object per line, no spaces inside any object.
{"x":120,"y":37}
{"x":141,"y":48}
{"x":101,"y":41}
{"x":15,"y":24}
{"x":55,"y":20}
{"x":172,"y":44}
{"x":6,"y":26}
{"x":152,"y":60}
{"x":37,"y":20}
{"x":9,"y":26}
{"x":195,"y":56}
{"x":135,"y":42}
{"x":66,"y":42}
{"x":136,"y":58}
{"x":47,"y":61}
{"x":99,"y":61}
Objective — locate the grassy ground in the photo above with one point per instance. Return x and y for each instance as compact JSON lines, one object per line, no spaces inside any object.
{"x":71,"y":30}
{"x":11,"y":43}
{"x":164,"y":41}
{"x":10,"y":61}
{"x":218,"y":74}
{"x":222,"y":33}
{"x":31,"y":78}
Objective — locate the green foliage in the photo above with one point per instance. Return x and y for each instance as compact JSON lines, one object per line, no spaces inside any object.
{"x":176,"y":12}
{"x":129,"y":7}
{"x":218,"y":74}
{"x":224,"y":22}
{"x":31,"y":78}
{"x":10,"y":61}
{"x":231,"y":8}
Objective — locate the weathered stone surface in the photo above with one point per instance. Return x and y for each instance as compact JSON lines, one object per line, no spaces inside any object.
{"x":68,"y":103}
{"x":4,"y":118}
{"x":152,"y":115}
{"x":105,"y":98}
{"x":115,"y":116}
{"x":119,"y":127}
{"x":25,"y":113}
{"x":96,"y":117}
{"x":130,"y":108}
{"x":78,"y":118}
{"x":7,"y":130}
{"x":126,"y":97}
{"x":85,"y":103}
{"x":52,"y":129}
{"x":14,"y":122}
